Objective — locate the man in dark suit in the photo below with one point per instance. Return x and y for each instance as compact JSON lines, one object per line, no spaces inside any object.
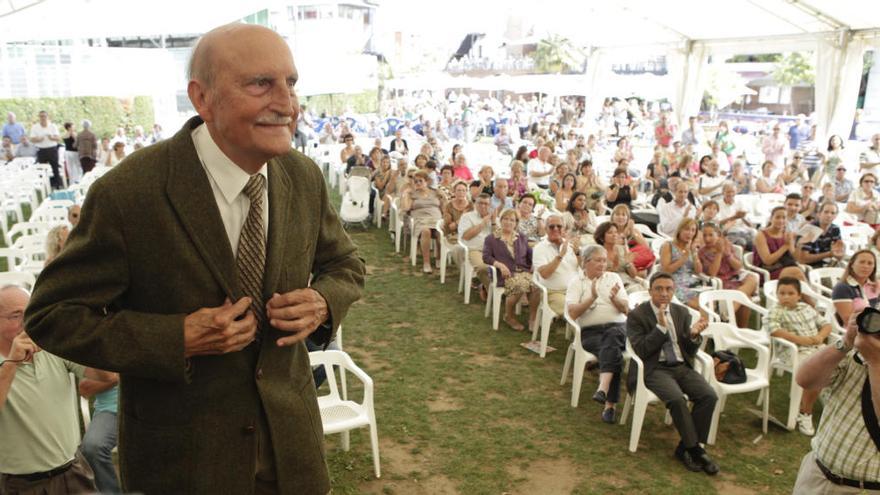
{"x":663,"y":336}
{"x":199,"y":266}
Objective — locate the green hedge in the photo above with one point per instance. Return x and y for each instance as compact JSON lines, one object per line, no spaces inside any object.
{"x":337,"y":104}
{"x":105,"y":112}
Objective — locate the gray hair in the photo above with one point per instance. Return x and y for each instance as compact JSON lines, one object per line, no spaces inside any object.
{"x":86,"y":124}
{"x":588,"y":252}
{"x":554,"y":215}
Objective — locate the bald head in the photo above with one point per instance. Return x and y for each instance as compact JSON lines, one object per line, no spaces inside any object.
{"x":205,"y":58}
{"x":13,"y":296}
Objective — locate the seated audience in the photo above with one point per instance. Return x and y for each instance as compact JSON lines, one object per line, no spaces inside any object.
{"x":578,"y":219}
{"x":518,"y":184}
{"x":561,"y":171}
{"x":865,"y":202}
{"x":500,"y":198}
{"x":447,"y":179}
{"x":460,"y":168}
{"x":719,"y":259}
{"x":589,"y":183}
{"x":800,"y":324}
{"x":425,"y":207}
{"x":56,"y":238}
{"x":808,"y":204}
{"x":530,"y":224}
{"x":598,"y":301}
{"x":620,"y":259}
{"x":857,"y":288}
{"x":793,"y":219}
{"x":620,"y":192}
{"x":732,"y":219}
{"x":38,"y":410}
{"x":564,"y":193}
{"x":73,"y":215}
{"x":454,"y":209}
{"x":741,"y":179}
{"x":843,"y":187}
{"x":710,"y":181}
{"x":509,"y":252}
{"x":819,"y":242}
{"x":775,"y":248}
{"x":663,"y":335}
{"x":672,"y":213}
{"x":766,"y":183}
{"x":473,"y":228}
{"x":25,"y":148}
{"x":679,"y":258}
{"x":555,"y":259}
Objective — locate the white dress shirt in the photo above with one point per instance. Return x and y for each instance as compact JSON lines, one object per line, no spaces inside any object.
{"x":603,"y":310}
{"x":671,"y":216}
{"x":227,"y":182}
{"x":670,"y":327}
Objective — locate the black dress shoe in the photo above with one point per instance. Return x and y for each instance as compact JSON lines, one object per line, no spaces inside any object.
{"x":600,"y":397}
{"x":685,"y":457}
{"x":706,"y":463}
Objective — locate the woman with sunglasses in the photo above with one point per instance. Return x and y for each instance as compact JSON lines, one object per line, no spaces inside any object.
{"x":808,"y":204}
{"x":864,"y":201}
{"x":425,"y":207}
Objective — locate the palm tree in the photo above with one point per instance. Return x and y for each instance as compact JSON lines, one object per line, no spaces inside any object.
{"x":556,"y":53}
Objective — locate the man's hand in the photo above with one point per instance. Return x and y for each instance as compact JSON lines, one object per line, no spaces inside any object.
{"x":699,"y":326}
{"x":23,"y":349}
{"x":299,"y":312}
{"x":869,"y":347}
{"x":220,"y":330}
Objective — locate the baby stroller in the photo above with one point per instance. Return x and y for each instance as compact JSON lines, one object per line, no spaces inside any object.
{"x":355,"y":206}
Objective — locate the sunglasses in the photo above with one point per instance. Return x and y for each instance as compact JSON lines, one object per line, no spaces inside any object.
{"x":554,"y":226}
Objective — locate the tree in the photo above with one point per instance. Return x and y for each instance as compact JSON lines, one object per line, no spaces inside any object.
{"x":555,"y":53}
{"x":793,"y":70}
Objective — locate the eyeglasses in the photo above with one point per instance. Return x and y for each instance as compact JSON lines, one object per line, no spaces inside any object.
{"x":796,"y":157}
{"x":868,"y":181}
{"x":554,"y":226}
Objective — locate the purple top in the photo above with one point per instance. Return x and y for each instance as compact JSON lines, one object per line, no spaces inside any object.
{"x":520,"y":260}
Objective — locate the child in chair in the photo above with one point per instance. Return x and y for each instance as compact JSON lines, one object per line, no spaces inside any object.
{"x":797,"y":322}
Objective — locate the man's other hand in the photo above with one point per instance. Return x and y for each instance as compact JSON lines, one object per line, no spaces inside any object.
{"x":226,"y":328}
{"x":299,"y":312}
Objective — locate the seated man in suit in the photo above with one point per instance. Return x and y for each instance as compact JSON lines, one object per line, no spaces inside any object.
{"x":663,"y":336}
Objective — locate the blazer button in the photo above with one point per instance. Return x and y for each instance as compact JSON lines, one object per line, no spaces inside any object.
{"x":259,"y":373}
{"x":248,"y":430}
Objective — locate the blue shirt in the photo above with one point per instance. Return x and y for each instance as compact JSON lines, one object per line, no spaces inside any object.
{"x":13,"y":131}
{"x":107,"y":400}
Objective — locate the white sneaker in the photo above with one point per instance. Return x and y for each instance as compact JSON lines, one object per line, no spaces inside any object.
{"x":805,"y":424}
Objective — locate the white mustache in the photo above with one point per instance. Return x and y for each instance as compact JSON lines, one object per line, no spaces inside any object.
{"x":276,"y":119}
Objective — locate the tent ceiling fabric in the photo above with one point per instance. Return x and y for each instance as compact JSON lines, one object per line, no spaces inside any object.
{"x":52,"y":19}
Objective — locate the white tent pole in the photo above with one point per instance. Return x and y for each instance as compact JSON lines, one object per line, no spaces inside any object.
{"x":838,"y":75}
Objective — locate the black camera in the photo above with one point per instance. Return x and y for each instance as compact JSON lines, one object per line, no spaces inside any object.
{"x":868,"y":321}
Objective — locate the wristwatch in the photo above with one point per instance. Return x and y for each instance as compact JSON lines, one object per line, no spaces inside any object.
{"x":840,"y":345}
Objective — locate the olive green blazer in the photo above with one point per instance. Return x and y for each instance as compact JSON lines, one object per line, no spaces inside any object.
{"x":151,"y":248}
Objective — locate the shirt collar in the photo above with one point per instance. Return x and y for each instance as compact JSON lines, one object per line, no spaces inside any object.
{"x":228,"y":176}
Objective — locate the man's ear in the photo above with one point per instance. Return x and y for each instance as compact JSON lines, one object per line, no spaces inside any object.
{"x":201,"y":97}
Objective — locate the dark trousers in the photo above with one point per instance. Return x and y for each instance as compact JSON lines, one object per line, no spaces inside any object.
{"x":87,"y":163}
{"x":670,"y":383}
{"x":50,"y":156}
{"x":77,"y":479}
{"x":607,"y":342}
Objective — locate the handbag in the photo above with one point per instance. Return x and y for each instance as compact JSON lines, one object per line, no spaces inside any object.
{"x":643,"y":257}
{"x":783,"y":262}
{"x":729,"y":367}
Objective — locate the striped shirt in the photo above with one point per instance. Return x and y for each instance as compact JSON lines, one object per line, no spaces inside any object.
{"x":842,"y":443}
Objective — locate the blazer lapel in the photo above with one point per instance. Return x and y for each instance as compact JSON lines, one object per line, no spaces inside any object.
{"x":191,"y":196}
{"x":279,"y":208}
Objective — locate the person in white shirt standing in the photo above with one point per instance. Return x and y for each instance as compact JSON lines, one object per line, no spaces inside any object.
{"x":555,"y":261}
{"x":597,"y":299}
{"x":45,"y":137}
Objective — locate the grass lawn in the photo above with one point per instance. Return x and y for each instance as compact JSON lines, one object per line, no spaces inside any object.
{"x":464,"y":409}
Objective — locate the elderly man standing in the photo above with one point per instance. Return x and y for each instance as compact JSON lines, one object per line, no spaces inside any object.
{"x":672,"y":213}
{"x":45,"y":136}
{"x":774,"y":147}
{"x":87,"y":147}
{"x":664,"y":337}
{"x":556,"y":263}
{"x":216,"y":392}
{"x":38,"y":416}
{"x":845,"y":455}
{"x":12,"y":129}
{"x":597,"y":299}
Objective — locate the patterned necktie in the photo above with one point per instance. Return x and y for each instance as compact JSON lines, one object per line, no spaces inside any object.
{"x":668,"y":347}
{"x":251,"y":258}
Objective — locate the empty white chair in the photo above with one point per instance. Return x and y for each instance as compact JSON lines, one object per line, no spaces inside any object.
{"x":340,"y":415}
{"x":818,"y":276}
{"x":24,"y":279}
{"x":544,"y":316}
{"x":466,"y":274}
{"x":493,"y":301}
{"x":719,"y":305}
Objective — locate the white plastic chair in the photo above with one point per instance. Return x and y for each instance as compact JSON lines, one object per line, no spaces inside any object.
{"x":544,"y":316}
{"x":581,"y":358}
{"x":638,"y":400}
{"x":414,"y":239}
{"x":782,"y":347}
{"x":447,"y":250}
{"x":466,"y":274}
{"x":725,"y":300}
{"x":495,"y":293}
{"x":377,"y":207}
{"x":818,"y":275}
{"x":727,"y":337}
{"x":748,"y":262}
{"x":340,"y":415}
{"x":27,"y":228}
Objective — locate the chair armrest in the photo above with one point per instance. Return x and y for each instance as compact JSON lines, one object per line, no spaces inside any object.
{"x":707,"y":365}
